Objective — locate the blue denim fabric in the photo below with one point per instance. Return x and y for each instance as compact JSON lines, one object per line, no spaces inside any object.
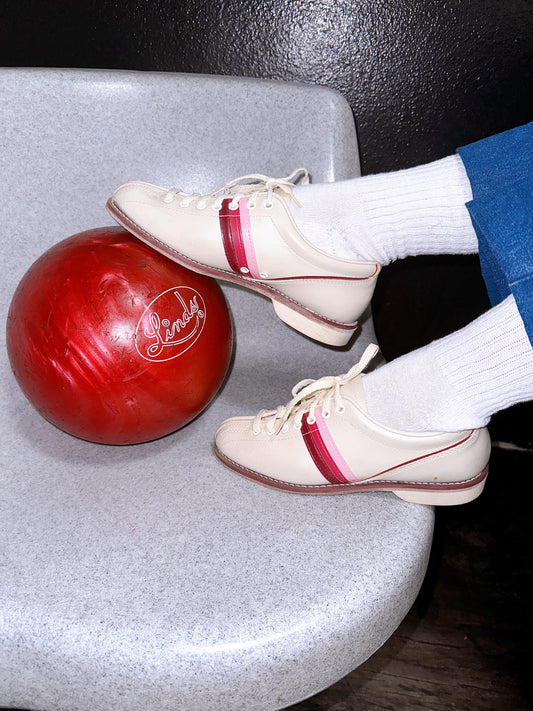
{"x":500,"y":169}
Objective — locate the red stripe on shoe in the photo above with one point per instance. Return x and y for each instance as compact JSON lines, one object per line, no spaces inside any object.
{"x":237,"y":238}
{"x":319,"y":453}
{"x":225,"y":221}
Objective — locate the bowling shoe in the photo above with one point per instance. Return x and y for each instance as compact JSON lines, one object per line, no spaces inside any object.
{"x":325,"y":442}
{"x":245,"y":233}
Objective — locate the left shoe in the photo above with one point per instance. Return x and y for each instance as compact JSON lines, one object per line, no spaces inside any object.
{"x":324,"y":442}
{"x":245,"y":233}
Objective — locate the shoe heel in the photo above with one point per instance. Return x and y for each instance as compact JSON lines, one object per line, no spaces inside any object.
{"x":321,"y":331}
{"x":444,"y":498}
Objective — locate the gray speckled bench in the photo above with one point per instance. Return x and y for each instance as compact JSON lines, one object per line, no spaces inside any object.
{"x":151,"y":577}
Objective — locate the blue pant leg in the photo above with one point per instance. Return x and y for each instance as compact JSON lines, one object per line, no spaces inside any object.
{"x":500,"y":159}
{"x":503,"y":220}
{"x":500,"y":170}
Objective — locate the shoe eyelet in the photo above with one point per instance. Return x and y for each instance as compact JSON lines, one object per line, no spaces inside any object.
{"x":327,"y":414}
{"x":233,"y":208}
{"x":340,"y":410}
{"x":285,"y":428}
{"x":311,"y":420}
{"x":269,"y":205}
{"x":244,"y":270}
{"x":256,"y":432}
{"x":298,"y":426}
{"x":216,"y":208}
{"x":263,"y":275}
{"x":251,"y":206}
{"x":184,"y":203}
{"x":200,"y":206}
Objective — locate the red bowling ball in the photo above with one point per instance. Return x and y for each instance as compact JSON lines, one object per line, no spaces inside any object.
{"x":113,"y":342}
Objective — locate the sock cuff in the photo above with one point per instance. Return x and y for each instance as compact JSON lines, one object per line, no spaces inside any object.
{"x":459,"y":381}
{"x":489,"y":363}
{"x":420,"y":210}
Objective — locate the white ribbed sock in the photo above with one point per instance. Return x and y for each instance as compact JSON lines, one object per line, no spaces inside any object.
{"x":380,"y":218}
{"x":459,"y":381}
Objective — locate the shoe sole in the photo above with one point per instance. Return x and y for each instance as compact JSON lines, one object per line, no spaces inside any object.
{"x":429,"y":494}
{"x":293,"y":313}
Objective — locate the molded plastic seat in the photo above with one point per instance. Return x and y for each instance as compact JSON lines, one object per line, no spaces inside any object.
{"x":151,"y":577}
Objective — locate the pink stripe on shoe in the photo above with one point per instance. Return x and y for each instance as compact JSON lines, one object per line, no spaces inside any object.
{"x":332,"y":448}
{"x":246,"y":237}
{"x":312,"y":433}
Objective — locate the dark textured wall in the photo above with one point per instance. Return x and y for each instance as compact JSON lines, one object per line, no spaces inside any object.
{"x":422,"y":77}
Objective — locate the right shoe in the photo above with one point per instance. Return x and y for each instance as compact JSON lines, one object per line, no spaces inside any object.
{"x":325,"y":442}
{"x":245,"y":233}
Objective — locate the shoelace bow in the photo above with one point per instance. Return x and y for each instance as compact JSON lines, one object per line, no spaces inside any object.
{"x":241,"y":187}
{"x":310,"y":394}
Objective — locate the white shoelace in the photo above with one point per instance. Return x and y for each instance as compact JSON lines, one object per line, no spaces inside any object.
{"x":242,"y":187}
{"x":311,"y":394}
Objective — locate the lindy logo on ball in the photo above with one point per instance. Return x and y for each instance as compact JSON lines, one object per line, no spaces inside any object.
{"x":171,"y":324}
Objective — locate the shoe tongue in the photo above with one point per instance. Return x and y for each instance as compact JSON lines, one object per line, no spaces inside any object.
{"x":354,"y":391}
{"x":247,"y":188}
{"x":352,"y":388}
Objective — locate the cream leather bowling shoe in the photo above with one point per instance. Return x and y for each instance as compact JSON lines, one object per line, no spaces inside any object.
{"x":324,"y":442}
{"x":245,"y":233}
